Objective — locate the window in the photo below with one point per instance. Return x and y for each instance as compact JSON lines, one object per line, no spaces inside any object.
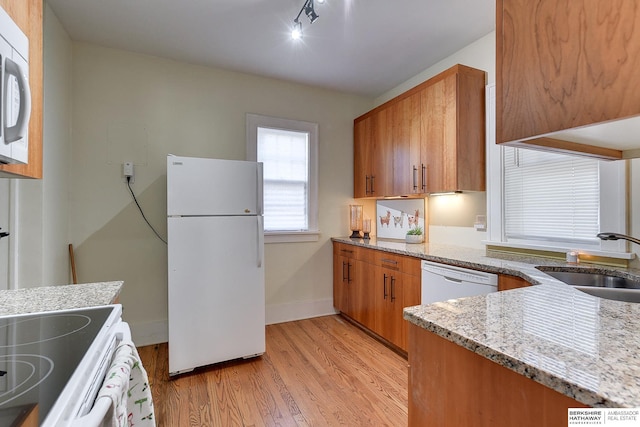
{"x":552,"y":201}
{"x":550,"y":195}
{"x":288,"y":151}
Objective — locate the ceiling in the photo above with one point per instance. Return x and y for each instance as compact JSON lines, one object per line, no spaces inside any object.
{"x":365,"y":47}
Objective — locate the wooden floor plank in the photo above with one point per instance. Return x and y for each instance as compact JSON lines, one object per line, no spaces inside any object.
{"x":315,"y":372}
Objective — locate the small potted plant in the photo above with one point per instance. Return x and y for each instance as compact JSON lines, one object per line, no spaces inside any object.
{"x":414,"y":235}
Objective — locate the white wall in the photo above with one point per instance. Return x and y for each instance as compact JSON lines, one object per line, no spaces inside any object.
{"x":134,"y":107}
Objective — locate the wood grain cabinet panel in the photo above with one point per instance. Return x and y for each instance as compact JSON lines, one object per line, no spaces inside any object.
{"x":455,"y":131}
{"x":406,"y":139}
{"x":428,"y":139}
{"x":28,"y":15}
{"x":564,"y":64}
{"x":506,"y":282}
{"x":450,"y":386}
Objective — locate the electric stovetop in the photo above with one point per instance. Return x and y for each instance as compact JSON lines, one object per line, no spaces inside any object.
{"x":38,"y":355}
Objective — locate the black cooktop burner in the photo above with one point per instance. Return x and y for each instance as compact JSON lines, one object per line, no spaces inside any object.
{"x":38,"y":355}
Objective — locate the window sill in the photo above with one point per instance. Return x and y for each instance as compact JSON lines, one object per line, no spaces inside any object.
{"x":550,"y":248}
{"x":291,"y":236}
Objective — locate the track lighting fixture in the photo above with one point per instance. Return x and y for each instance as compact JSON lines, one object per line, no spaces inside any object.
{"x":307,"y":8}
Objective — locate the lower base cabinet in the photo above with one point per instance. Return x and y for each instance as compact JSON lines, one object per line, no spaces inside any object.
{"x":450,"y":386}
{"x":373,"y":287}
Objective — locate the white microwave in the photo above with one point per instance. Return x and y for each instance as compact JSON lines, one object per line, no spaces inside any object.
{"x":15,"y":95}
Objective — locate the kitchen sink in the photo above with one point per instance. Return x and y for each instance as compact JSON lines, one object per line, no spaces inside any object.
{"x":600,"y":285}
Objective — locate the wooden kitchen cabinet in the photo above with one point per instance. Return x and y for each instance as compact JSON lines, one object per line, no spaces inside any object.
{"x":564,"y":65}
{"x":344,"y":273}
{"x":375,"y":289}
{"x":428,"y":139}
{"x":373,"y":156}
{"x":351,"y":278}
{"x":28,"y":15}
{"x":450,"y":386}
{"x":455,"y":131}
{"x":407,"y":142}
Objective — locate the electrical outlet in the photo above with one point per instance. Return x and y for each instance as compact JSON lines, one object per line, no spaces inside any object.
{"x":127,"y":171}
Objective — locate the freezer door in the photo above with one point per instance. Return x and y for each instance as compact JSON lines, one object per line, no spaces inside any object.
{"x":197,"y":186}
{"x":216,"y":290}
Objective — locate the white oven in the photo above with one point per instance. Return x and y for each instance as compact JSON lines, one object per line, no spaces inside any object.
{"x":15,"y":95}
{"x":55,"y":363}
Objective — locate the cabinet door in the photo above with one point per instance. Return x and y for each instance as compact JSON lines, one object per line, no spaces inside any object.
{"x":411,"y":296}
{"x":389,"y":305}
{"x":564,"y":64}
{"x":382,"y":175}
{"x":361,"y":295}
{"x":340,"y":282}
{"x":363,"y":157}
{"x":433,"y":157}
{"x":454,"y":125}
{"x":406,"y":136}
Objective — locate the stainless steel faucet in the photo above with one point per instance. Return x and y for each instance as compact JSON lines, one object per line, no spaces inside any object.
{"x":617,"y":236}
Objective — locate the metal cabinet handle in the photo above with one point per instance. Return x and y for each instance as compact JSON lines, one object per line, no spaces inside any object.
{"x":389,"y":261}
{"x":415,"y":178}
{"x":348,"y":272}
{"x":424,"y":178}
{"x":366,"y":184}
{"x":385,"y":286}
{"x":343,"y":276}
{"x":373,"y":180}
{"x":393,"y":288}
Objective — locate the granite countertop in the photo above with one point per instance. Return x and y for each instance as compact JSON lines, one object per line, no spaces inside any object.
{"x":51,"y":298}
{"x":582,"y":346}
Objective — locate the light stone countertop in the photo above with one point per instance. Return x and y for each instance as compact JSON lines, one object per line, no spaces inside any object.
{"x":582,"y":346}
{"x":63,"y":297}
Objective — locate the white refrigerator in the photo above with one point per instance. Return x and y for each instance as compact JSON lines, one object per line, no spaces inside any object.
{"x":215,"y":261}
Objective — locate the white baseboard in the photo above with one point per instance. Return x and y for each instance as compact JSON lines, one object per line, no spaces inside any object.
{"x":279,"y":313}
{"x":149,"y":333}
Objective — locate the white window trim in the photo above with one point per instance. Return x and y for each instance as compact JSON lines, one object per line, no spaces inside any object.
{"x":254,"y":121}
{"x":613,"y":208}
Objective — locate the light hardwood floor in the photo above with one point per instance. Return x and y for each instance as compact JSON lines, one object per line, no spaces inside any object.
{"x":315,"y":372}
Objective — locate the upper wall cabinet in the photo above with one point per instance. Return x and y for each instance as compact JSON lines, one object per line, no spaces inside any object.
{"x":28,"y":15}
{"x":563,"y":66}
{"x":426,"y":140}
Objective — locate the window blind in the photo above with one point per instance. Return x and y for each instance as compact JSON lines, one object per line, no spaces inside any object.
{"x":550,"y":196}
{"x":285,"y":158}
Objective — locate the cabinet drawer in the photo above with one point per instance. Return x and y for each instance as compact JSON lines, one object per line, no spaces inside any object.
{"x":389,"y":260}
{"x":345,"y":250}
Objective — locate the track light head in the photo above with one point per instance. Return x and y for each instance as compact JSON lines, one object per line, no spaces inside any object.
{"x":307,"y":8}
{"x":310,"y":12}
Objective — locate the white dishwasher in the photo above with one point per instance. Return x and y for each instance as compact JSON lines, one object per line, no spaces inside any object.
{"x":441,"y":282}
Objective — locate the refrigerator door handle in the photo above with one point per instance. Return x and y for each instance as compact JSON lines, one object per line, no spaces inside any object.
{"x":259,"y":194}
{"x":260,"y":240}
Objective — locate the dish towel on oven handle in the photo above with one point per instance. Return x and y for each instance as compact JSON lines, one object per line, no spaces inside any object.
{"x":127,"y":386}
